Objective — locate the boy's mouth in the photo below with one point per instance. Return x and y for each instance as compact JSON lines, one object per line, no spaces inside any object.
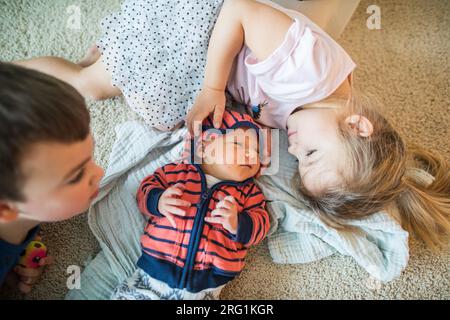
{"x":94,"y":195}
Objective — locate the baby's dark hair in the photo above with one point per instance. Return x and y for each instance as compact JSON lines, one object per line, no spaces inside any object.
{"x":34,"y":107}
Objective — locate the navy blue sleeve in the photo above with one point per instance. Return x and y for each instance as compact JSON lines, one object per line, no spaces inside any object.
{"x":152,"y":201}
{"x":10,"y":253}
{"x":245,"y":228}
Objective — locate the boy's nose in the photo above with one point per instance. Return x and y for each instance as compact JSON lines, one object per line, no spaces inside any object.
{"x":98,"y":175}
{"x":101,"y":173}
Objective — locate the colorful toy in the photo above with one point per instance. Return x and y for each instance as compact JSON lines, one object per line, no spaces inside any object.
{"x":32,"y":254}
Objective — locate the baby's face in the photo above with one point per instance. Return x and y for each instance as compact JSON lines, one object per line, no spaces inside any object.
{"x":61,"y":180}
{"x":232,"y":156}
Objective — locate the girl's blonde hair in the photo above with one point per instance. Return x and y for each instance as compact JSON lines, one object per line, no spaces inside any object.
{"x":381,"y":173}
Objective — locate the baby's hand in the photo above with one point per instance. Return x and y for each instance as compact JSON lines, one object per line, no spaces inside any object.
{"x":169,"y":203}
{"x":25,"y":278}
{"x":226,"y":214}
{"x":208,"y":100}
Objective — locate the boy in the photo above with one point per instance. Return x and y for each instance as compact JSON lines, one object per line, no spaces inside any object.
{"x":47,"y":171}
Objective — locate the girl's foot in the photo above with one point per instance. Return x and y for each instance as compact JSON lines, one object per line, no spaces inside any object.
{"x":91,"y":56}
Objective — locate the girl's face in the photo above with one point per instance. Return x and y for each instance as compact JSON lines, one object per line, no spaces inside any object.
{"x":314,"y":139}
{"x":61,"y":180}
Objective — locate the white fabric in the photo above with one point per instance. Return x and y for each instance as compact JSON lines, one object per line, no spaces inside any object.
{"x":140,"y":286}
{"x":211,"y":180}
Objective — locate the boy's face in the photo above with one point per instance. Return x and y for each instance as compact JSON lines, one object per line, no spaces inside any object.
{"x":61,"y":180}
{"x":234,"y":155}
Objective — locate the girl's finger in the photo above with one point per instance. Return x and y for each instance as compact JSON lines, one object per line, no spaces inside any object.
{"x":189,"y":126}
{"x":218,"y":115}
{"x":197,"y":125}
{"x":178,"y":202}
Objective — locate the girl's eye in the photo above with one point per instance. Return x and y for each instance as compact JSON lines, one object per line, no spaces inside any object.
{"x":77,"y":178}
{"x":310,"y":152}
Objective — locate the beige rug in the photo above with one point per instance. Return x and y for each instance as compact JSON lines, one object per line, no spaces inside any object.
{"x":407,"y":63}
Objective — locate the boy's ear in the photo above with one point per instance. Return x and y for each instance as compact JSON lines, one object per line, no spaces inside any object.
{"x":360,"y":124}
{"x":7,"y":213}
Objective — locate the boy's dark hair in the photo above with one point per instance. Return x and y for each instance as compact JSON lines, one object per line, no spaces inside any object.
{"x":34,"y":107}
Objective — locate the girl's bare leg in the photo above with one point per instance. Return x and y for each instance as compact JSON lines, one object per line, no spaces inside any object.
{"x":93,"y":82}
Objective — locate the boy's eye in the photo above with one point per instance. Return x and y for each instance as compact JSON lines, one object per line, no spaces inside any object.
{"x":77,"y":178}
{"x":310,"y":152}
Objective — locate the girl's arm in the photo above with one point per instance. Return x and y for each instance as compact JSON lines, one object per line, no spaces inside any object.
{"x":261,"y":27}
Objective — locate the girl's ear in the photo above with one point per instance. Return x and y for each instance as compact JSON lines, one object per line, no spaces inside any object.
{"x":360,"y":124}
{"x":7,"y":214}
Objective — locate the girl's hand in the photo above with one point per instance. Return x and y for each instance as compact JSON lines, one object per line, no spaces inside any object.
{"x":226,"y":214}
{"x":169,"y":203}
{"x":208,"y":100}
{"x":25,"y":278}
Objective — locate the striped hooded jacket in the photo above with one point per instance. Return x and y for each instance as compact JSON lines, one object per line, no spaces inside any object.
{"x":197,"y":255}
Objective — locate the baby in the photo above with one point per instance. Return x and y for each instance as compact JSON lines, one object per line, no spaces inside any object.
{"x":203,"y":217}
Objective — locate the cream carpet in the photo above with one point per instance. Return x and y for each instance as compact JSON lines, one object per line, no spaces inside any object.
{"x":407,"y":63}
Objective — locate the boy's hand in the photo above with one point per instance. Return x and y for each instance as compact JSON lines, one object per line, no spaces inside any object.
{"x":208,"y":100}
{"x":169,"y":203}
{"x":25,"y":278}
{"x":226,"y":214}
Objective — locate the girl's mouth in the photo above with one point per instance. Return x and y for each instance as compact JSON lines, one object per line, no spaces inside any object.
{"x":291,"y":133}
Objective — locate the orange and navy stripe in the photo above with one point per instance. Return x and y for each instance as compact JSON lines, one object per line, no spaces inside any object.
{"x":196,"y":250}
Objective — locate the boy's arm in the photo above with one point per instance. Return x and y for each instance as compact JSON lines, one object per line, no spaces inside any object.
{"x":261,"y":27}
{"x":149,"y":192}
{"x":253,"y":222}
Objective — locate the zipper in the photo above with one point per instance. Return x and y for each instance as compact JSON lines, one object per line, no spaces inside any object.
{"x":199,"y":222}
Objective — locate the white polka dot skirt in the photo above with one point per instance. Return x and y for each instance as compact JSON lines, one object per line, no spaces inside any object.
{"x":155,"y":51}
